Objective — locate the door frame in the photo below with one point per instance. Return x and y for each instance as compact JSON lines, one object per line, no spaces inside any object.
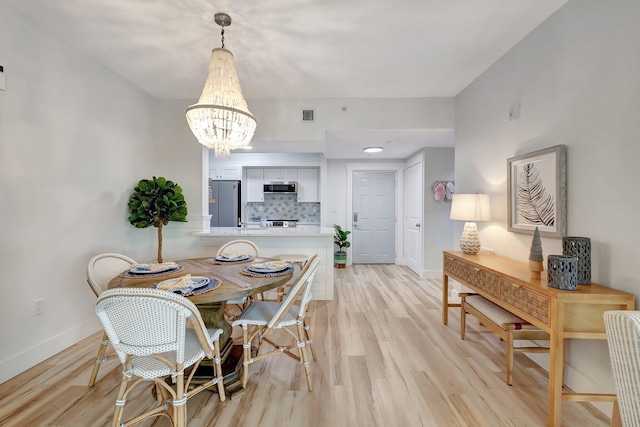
{"x":396,"y":167}
{"x":411,"y":162}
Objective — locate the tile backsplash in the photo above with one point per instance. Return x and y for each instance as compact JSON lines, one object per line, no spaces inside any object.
{"x":283,"y":206}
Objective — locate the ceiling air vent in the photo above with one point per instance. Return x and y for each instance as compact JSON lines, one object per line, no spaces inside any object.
{"x":308,"y":115}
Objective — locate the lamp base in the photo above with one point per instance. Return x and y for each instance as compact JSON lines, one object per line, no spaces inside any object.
{"x":470,"y":239}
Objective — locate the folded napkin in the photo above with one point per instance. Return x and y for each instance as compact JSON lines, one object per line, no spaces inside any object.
{"x":184,"y":282}
{"x":272,"y":264}
{"x":155,"y":267}
{"x":230,"y":255}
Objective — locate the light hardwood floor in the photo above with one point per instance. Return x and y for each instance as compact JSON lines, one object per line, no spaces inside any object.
{"x":384,"y":359}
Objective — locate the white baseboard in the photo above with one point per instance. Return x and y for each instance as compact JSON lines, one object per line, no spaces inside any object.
{"x":30,"y":357}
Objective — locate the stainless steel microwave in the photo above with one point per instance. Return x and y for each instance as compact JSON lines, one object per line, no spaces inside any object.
{"x":281,"y":187}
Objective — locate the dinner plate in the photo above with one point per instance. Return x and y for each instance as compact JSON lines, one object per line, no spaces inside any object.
{"x":194,"y":282}
{"x":135,"y":270}
{"x":235,"y":258}
{"x":266,"y":268}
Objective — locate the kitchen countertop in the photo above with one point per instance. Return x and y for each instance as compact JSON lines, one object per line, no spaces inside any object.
{"x":302,"y":231}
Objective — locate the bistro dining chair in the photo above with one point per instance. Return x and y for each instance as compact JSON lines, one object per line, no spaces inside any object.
{"x":623,"y":339}
{"x":265,"y":317}
{"x":240,"y":247}
{"x":101,"y":269}
{"x":159,"y":335}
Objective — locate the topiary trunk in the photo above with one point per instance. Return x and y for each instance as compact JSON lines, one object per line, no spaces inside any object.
{"x":159,"y":238}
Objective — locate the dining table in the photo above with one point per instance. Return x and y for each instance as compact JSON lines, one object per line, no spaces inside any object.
{"x":228,"y":280}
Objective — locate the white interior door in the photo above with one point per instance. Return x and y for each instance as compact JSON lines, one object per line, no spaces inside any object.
{"x":373,"y":217}
{"x":413,"y":217}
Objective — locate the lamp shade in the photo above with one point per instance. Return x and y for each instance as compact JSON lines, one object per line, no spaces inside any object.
{"x":471,"y":207}
{"x":221,"y":119}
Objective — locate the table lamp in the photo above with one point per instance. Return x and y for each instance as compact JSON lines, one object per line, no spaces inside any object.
{"x":470,"y":208}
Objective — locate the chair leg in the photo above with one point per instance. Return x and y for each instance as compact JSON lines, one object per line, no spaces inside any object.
{"x":120,"y":401}
{"x":99,"y":359}
{"x":309,"y":340}
{"x":509,"y":352}
{"x":179,"y":404}
{"x":218,"y":371}
{"x":246,"y":350}
{"x":463,"y":320}
{"x":303,"y":354}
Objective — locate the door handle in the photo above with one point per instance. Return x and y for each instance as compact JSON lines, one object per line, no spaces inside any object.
{"x":418,"y":225}
{"x":355,"y":217}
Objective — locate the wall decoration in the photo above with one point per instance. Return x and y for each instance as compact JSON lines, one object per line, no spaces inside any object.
{"x":451,"y":188}
{"x":443,"y":190}
{"x":537,"y":192}
{"x":439,"y":191}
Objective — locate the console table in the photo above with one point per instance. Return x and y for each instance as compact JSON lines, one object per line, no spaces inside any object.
{"x":563,"y":314}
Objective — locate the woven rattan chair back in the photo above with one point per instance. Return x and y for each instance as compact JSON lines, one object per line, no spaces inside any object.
{"x":157,"y":334}
{"x":101,"y":269}
{"x":244,"y":247}
{"x":105,"y":267}
{"x":301,"y":290}
{"x":623,"y":338}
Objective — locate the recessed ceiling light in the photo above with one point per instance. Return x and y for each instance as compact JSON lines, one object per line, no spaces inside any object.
{"x":373,"y":149}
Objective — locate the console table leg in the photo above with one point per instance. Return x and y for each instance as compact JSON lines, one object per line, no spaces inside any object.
{"x":556,"y":371}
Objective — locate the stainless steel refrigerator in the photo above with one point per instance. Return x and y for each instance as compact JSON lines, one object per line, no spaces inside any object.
{"x":224,"y":203}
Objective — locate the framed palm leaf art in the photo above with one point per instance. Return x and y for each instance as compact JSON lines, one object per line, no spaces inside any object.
{"x":537,"y":192}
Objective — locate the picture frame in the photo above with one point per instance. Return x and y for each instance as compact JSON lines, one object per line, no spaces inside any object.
{"x":537,"y":192}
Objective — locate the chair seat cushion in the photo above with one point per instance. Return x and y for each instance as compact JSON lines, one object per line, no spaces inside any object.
{"x":237,"y":301}
{"x":149,"y":368}
{"x":495,"y":313}
{"x":261,"y":312}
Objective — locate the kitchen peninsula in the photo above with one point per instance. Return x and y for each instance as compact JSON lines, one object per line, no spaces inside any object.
{"x":305,"y":240}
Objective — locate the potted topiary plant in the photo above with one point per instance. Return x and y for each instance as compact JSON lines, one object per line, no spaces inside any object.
{"x":340,"y":239}
{"x":156,"y":202}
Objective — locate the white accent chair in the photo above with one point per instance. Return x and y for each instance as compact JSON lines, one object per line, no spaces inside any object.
{"x":101,"y":269}
{"x":243,"y":247}
{"x":265,"y":317}
{"x":158,"y":334}
{"x":623,"y":338}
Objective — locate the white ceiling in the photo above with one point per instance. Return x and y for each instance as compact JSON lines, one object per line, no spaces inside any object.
{"x":300,"y":49}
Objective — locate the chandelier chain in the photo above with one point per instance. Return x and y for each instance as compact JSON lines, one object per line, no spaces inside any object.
{"x":222,"y":34}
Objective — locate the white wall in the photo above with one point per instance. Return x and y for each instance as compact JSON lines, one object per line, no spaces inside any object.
{"x":74,"y":140}
{"x":280,"y":119}
{"x":577,"y":78}
{"x":436,"y":225}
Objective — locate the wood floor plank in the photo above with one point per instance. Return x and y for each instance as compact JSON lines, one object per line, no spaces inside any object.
{"x":384,"y":359}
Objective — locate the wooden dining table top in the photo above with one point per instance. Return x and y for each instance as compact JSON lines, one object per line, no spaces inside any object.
{"x":233,"y":284}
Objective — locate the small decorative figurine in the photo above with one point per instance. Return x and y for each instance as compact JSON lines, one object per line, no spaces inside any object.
{"x":535,"y":257}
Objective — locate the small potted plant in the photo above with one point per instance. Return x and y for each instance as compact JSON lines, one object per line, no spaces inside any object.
{"x":341,"y":240}
{"x":155,"y":202}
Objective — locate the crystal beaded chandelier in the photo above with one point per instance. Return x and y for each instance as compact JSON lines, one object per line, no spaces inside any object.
{"x":221,"y":119}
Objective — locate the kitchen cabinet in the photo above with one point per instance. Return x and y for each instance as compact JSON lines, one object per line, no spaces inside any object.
{"x":308,"y":185}
{"x":255,"y":185}
{"x":275,"y":174}
{"x":225,"y":173}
